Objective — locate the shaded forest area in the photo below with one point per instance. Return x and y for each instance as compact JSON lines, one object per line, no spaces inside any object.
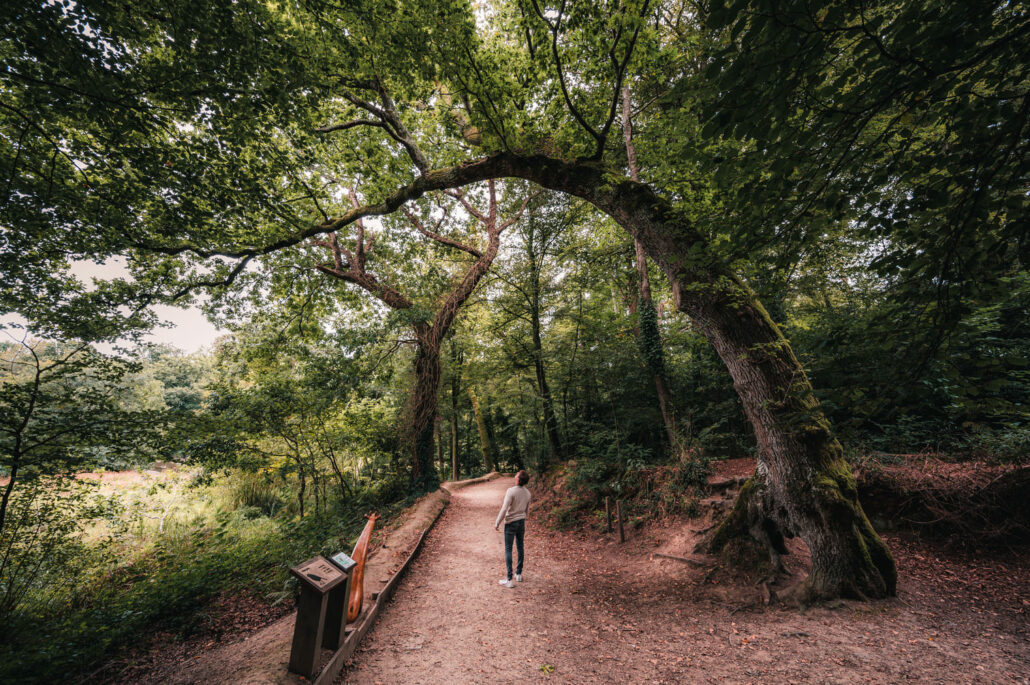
{"x":615,"y":244}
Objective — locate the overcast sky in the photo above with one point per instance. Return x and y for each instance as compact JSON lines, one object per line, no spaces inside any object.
{"x":189,"y":331}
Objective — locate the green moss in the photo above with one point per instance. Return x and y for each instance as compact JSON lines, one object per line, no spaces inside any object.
{"x":736,"y":524}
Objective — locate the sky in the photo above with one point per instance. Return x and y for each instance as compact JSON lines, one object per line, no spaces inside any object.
{"x":190,"y":331}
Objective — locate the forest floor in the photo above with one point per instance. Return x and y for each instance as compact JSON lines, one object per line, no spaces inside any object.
{"x":591,"y":610}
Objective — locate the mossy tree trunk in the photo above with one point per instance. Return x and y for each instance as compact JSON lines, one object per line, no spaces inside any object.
{"x":422,"y":409}
{"x":803,"y":486}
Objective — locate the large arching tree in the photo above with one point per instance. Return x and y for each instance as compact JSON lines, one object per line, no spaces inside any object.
{"x":184,"y":137}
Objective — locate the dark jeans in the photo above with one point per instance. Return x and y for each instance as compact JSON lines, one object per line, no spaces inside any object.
{"x":516,"y":530}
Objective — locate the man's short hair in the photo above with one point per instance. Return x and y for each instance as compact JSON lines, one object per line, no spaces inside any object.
{"x":521,"y":477}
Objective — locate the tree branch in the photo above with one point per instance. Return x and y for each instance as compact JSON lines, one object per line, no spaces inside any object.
{"x":620,"y":73}
{"x":555,"y":28}
{"x":518,"y":215}
{"x":389,"y":296}
{"x":349,"y":124}
{"x":392,"y":123}
{"x":443,"y":240}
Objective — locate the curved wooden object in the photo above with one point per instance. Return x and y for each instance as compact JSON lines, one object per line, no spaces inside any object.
{"x":357,"y":582}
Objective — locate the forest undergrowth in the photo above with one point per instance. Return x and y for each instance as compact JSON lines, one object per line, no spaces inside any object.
{"x":178,"y":568}
{"x":962,"y":502}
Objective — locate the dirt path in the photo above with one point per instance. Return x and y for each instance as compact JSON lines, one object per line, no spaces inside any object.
{"x":590,"y":611}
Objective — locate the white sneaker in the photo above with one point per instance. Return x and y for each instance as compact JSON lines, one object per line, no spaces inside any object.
{"x":518,"y":577}
{"x":504,"y":582}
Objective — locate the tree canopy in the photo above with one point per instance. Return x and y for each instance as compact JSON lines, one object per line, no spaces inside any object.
{"x":222,"y":149}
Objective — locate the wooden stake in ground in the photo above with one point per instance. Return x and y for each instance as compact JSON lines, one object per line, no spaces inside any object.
{"x":618,"y":513}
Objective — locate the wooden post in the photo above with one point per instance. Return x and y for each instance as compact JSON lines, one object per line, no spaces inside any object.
{"x":336,"y":615}
{"x":307,"y":635}
{"x":318,"y":577}
{"x":618,"y":513}
{"x":608,"y":515}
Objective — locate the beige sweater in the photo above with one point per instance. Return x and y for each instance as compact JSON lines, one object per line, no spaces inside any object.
{"x":516,"y":505}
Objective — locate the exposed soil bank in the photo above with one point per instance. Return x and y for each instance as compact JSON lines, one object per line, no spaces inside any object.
{"x":968,"y":504}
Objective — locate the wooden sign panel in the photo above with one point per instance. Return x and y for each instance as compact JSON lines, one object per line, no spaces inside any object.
{"x":342,"y":560}
{"x":319,"y":573}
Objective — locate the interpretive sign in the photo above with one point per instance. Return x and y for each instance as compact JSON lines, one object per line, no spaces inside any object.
{"x":319,"y":573}
{"x":318,"y":578}
{"x":343,"y":560}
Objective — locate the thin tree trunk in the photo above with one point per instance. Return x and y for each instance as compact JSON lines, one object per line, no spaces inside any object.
{"x":466,"y":435}
{"x":489,"y":459}
{"x":554,"y":441}
{"x":19,"y":436}
{"x":455,"y":382}
{"x":489,"y":417}
{"x":439,"y":443}
{"x":618,"y":514}
{"x":7,"y":494}
{"x":510,"y":432}
{"x":454,"y":447}
{"x":649,"y":337}
{"x":334,"y":464}
{"x":317,"y":488}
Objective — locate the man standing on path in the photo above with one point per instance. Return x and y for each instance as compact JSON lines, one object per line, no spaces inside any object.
{"x":513,"y":513}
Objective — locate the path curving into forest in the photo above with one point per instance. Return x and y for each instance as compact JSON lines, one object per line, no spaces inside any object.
{"x":590,"y":611}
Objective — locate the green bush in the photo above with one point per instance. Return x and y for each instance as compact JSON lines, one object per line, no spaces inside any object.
{"x":606,"y":464}
{"x":257,"y":490}
{"x":1010,"y":444}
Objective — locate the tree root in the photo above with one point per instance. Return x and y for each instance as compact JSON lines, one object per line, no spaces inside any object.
{"x":848,"y":558}
{"x":745,"y":537}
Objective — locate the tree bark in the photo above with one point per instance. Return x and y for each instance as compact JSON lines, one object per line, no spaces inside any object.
{"x":802,"y":486}
{"x":509,"y":434}
{"x":554,"y":442}
{"x":439,"y":444}
{"x":422,"y":409}
{"x":455,"y":381}
{"x":454,"y":446}
{"x":12,"y":478}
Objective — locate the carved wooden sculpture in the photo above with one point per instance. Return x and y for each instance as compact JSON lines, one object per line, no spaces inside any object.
{"x":359,"y":555}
